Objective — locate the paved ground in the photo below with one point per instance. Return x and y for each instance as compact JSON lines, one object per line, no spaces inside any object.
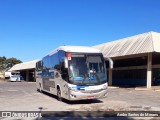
{"x":22,"y":96}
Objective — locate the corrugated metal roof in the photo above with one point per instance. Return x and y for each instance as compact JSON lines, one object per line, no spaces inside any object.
{"x":142,"y":43}
{"x":82,"y":49}
{"x":24,"y":66}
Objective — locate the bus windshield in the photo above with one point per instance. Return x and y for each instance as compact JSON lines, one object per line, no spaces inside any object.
{"x":87,"y":69}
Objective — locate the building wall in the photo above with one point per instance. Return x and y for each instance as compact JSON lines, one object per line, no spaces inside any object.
{"x":132,"y":70}
{"x":28,"y":74}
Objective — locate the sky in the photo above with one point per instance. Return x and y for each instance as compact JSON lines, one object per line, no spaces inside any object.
{"x":30,"y":29}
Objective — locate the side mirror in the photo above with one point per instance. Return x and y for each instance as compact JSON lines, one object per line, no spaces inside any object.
{"x":110,"y":62}
{"x":65,"y":62}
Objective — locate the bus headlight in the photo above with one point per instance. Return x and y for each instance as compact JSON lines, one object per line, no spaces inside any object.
{"x":73,"y":89}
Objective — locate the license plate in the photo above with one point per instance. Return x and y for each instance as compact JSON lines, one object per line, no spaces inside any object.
{"x":90,"y":97}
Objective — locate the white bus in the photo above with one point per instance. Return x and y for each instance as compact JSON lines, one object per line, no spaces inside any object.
{"x":73,"y":73}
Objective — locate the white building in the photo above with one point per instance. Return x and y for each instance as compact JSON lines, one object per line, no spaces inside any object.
{"x":26,"y":69}
{"x":136,"y":59}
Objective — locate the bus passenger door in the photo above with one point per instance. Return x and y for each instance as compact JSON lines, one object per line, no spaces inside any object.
{"x":64,"y":81}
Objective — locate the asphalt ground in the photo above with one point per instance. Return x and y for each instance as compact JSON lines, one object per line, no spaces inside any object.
{"x":23,"y":96}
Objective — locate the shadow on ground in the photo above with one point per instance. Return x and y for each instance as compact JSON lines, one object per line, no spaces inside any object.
{"x":90,"y":101}
{"x":81,"y":115}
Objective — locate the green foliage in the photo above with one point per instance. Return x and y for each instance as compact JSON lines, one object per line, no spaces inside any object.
{"x":8,"y":63}
{"x":2,"y":59}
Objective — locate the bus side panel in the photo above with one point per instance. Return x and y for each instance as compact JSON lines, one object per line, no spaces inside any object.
{"x":64,"y":89}
{"x":52,"y":88}
{"x":39,"y":83}
{"x":50,"y":75}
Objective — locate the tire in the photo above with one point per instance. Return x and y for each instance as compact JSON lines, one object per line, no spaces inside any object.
{"x":59,"y":94}
{"x":39,"y":89}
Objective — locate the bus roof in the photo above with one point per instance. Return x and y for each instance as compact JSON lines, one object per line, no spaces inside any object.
{"x":78,"y":49}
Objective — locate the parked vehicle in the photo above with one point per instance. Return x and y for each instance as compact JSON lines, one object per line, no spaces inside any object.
{"x":73,"y":73}
{"x":13,"y":76}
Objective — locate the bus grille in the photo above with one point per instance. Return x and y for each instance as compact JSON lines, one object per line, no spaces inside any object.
{"x":91,"y":91}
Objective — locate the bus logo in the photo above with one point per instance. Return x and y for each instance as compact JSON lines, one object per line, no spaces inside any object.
{"x":69,"y":56}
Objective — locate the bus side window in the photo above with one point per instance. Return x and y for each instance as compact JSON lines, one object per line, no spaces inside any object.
{"x":39,"y":66}
{"x":64,"y":71}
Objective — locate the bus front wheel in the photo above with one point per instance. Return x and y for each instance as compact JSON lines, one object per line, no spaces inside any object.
{"x":59,"y":94}
{"x":39,"y":89}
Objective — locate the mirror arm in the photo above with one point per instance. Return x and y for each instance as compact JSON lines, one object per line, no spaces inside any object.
{"x":110,"y":62}
{"x":65,"y":62}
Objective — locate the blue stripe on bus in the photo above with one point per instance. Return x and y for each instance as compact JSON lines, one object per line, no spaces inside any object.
{"x":79,"y":87}
{"x":78,"y":78}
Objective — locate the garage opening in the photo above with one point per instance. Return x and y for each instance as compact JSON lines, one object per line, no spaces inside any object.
{"x":156,"y":69}
{"x":130,"y":72}
{"x":28,"y":75}
{"x":133,"y":77}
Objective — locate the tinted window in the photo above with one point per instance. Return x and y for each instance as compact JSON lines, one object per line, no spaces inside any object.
{"x":53,"y":64}
{"x":39,"y":65}
{"x":54,"y":61}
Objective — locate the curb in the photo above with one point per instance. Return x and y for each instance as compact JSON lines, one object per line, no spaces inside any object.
{"x":157,"y":90}
{"x":112,"y":87}
{"x":143,"y":89}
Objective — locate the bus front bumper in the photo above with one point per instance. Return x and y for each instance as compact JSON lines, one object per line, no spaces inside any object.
{"x":78,"y":95}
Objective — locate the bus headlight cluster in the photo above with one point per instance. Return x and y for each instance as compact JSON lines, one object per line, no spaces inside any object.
{"x":73,"y":89}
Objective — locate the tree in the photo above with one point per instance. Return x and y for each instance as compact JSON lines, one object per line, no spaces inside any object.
{"x":6,"y":64}
{"x":2,"y":63}
{"x":2,"y":59}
